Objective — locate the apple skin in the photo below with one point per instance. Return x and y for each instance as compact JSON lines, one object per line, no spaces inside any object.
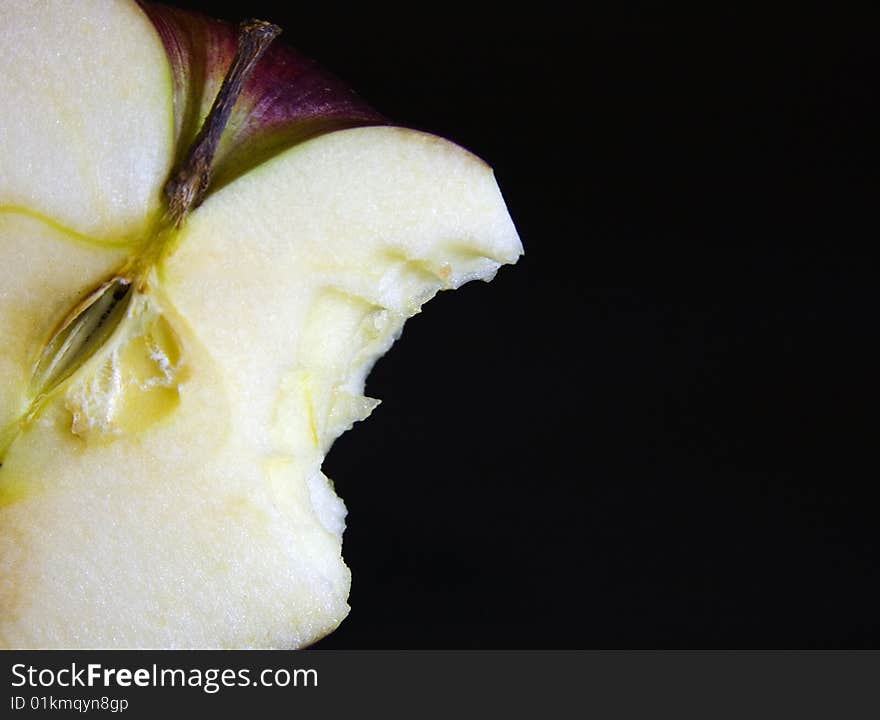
{"x":288,"y":99}
{"x":167,"y":491}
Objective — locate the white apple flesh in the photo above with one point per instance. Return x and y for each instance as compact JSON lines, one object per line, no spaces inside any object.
{"x":169,"y":493}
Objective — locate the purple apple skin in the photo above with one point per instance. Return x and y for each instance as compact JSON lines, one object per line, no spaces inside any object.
{"x":288,"y":99}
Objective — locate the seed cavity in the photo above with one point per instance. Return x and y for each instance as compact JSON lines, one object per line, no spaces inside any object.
{"x":136,"y":385}
{"x":80,"y":336}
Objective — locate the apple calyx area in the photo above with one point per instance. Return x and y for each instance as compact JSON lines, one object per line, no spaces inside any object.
{"x":119,"y":319}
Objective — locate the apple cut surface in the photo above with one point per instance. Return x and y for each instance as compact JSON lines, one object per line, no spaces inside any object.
{"x":87,"y":127}
{"x":166,"y":490}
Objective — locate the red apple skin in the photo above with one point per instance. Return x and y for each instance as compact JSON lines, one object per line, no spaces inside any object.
{"x":288,"y":99}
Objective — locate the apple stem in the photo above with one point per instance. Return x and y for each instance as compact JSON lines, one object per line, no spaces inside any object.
{"x":186,"y":187}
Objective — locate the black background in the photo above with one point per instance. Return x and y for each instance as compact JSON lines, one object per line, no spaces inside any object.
{"x":659,"y":429}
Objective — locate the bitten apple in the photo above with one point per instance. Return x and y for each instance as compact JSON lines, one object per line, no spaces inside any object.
{"x":205,"y":244}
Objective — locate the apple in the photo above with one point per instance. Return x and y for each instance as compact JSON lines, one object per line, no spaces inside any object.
{"x":206,"y":242}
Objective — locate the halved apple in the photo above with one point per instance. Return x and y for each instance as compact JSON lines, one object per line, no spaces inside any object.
{"x":175,"y":364}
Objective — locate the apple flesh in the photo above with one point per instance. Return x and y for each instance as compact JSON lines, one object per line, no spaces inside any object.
{"x":166,"y":491}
